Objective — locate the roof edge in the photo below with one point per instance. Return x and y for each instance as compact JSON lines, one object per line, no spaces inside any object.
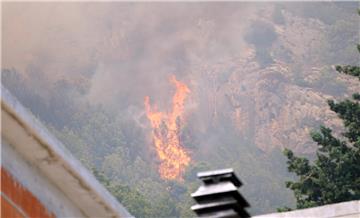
{"x":62,"y":155}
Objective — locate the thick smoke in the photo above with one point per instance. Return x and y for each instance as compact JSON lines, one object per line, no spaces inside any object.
{"x":121,"y":52}
{"x":125,"y":50}
{"x":256,"y":71}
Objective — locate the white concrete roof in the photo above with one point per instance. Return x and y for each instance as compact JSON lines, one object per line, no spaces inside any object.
{"x":350,"y":209}
{"x":40,"y":148}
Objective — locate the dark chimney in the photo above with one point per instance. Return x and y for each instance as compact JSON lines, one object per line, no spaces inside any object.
{"x":219,"y":196}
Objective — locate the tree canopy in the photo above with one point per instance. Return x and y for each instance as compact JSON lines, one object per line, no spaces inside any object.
{"x":334,"y":176}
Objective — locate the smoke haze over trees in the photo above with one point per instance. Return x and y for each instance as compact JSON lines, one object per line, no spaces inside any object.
{"x":258,"y":74}
{"x":335,"y":174}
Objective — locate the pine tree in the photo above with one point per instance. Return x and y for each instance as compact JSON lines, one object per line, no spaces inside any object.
{"x":334,"y":176}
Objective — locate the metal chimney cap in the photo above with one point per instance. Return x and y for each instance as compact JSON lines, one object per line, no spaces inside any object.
{"x":217,"y":176}
{"x":215,"y":173}
{"x":214,"y":189}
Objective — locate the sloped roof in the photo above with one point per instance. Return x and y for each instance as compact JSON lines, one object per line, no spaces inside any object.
{"x":40,"y":148}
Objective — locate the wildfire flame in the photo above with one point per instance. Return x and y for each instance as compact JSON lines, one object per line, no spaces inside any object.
{"x":166,"y":128}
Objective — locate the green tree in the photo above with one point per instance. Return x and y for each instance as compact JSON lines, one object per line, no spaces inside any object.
{"x":133,"y":200}
{"x":334,"y":176}
{"x":350,"y":70}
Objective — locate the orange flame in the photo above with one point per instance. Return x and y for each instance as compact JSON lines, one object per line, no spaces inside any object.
{"x":166,"y":128}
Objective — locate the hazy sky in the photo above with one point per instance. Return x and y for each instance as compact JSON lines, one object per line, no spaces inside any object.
{"x":124,"y":45}
{"x":126,"y":51}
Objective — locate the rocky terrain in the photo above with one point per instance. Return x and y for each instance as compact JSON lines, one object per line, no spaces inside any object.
{"x":276,"y":104}
{"x":259,"y":76}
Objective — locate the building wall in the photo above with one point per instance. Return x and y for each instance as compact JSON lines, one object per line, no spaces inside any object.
{"x":17,"y":201}
{"x":24,"y":185}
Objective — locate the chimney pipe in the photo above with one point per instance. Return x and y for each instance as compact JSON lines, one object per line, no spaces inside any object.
{"x":219,"y":196}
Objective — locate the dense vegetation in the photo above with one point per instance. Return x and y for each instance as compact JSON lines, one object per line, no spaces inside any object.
{"x":116,"y":150}
{"x":113,"y":139}
{"x":334,"y":176}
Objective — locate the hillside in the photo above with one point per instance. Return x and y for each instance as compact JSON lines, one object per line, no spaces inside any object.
{"x":258,"y":76}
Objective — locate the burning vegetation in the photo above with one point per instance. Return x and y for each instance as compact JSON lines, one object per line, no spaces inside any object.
{"x":165,"y":133}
